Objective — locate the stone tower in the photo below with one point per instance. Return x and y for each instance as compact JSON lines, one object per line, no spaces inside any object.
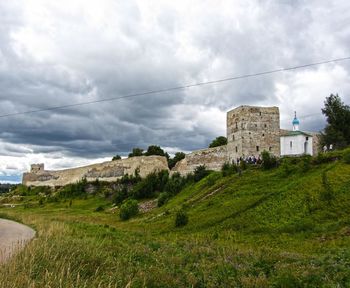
{"x":37,"y":168}
{"x":251,"y":130}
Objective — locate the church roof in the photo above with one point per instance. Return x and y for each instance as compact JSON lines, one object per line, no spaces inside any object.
{"x":295,"y":133}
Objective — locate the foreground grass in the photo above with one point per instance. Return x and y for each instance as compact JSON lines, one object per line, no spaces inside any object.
{"x":264,"y":229}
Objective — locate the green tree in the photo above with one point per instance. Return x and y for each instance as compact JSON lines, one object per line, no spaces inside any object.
{"x":116,"y":157}
{"x":269,"y":161}
{"x":155,"y":150}
{"x":136,"y":152}
{"x":178,"y":156}
{"x":337,"y":131}
{"x":218,"y":141}
{"x":128,"y":209}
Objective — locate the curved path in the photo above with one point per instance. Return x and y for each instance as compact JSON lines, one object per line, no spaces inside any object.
{"x":13,"y":236}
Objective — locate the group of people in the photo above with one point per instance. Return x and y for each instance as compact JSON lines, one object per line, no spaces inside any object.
{"x":249,"y":160}
{"x":325,"y":148}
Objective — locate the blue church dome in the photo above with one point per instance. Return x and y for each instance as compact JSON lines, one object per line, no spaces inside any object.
{"x":295,"y":120}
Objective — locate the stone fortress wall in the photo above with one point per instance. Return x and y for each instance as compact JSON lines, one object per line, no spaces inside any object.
{"x":250,"y":130}
{"x":212,"y":158}
{"x":107,"y":171}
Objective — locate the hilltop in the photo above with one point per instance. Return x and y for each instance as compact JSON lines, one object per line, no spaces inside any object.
{"x":281,"y":227}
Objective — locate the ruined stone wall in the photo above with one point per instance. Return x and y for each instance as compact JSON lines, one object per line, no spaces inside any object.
{"x":316,"y":148}
{"x":212,"y":158}
{"x":251,"y":130}
{"x":107,"y":171}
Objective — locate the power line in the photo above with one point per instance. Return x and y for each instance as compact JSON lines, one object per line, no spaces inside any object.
{"x":177,"y":87}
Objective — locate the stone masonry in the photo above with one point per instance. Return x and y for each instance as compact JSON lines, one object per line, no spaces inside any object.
{"x":251,"y":130}
{"x":107,"y":171}
{"x":212,"y":158}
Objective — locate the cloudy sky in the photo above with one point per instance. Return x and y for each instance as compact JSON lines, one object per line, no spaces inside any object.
{"x":64,"y":52}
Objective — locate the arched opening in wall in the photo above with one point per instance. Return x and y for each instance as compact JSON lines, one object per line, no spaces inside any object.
{"x":305,"y":147}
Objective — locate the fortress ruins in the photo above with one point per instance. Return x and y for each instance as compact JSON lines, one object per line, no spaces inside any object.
{"x":250,"y":130}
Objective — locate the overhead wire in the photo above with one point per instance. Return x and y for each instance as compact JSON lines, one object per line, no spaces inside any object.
{"x":175,"y":88}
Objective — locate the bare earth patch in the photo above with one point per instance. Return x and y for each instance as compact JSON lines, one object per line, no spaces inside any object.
{"x":148,"y":205}
{"x":13,"y":237}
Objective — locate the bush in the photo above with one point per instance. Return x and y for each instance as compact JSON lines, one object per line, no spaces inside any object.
{"x":200,"y":172}
{"x":128,"y":209}
{"x":147,"y":188}
{"x":99,"y":209}
{"x":163,"y":198}
{"x":268,"y":160}
{"x":228,"y":169}
{"x":120,"y":195}
{"x":305,"y":163}
{"x":175,"y":184}
{"x":181,"y":218}
{"x":73,"y":190}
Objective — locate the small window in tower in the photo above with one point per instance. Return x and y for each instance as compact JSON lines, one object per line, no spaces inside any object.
{"x":236,"y":125}
{"x":270,"y":148}
{"x":236,"y":149}
{"x":291,"y":144}
{"x":257,"y":148}
{"x":250,"y":133}
{"x":265,"y":125}
{"x":307,"y":138}
{"x":263,"y":134}
{"x":233,"y":137}
{"x":260,"y":113}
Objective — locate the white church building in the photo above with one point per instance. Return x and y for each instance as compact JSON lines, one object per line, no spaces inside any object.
{"x":296,"y":142}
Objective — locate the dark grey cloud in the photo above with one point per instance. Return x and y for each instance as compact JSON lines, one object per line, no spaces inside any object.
{"x":55,"y":54}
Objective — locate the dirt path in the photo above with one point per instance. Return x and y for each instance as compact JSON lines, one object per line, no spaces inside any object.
{"x":13,"y":236}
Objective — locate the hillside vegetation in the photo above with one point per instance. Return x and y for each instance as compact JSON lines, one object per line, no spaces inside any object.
{"x":282,"y":227}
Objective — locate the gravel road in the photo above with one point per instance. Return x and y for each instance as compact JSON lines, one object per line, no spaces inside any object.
{"x":13,"y":236}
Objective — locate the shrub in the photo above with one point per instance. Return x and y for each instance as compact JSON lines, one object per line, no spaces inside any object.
{"x":305,"y":163}
{"x":163,"y":198}
{"x":154,"y":182}
{"x":73,"y":190}
{"x":268,"y":160}
{"x":99,"y":209}
{"x":288,"y":166}
{"x":175,"y":184}
{"x":228,"y":169}
{"x":181,"y":218}
{"x":200,"y":172}
{"x":120,"y":195}
{"x":128,"y":209}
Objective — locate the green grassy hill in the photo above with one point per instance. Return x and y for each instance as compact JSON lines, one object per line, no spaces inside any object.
{"x":284,"y":227}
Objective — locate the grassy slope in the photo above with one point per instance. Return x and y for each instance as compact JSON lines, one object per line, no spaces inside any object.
{"x":260,"y":229}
